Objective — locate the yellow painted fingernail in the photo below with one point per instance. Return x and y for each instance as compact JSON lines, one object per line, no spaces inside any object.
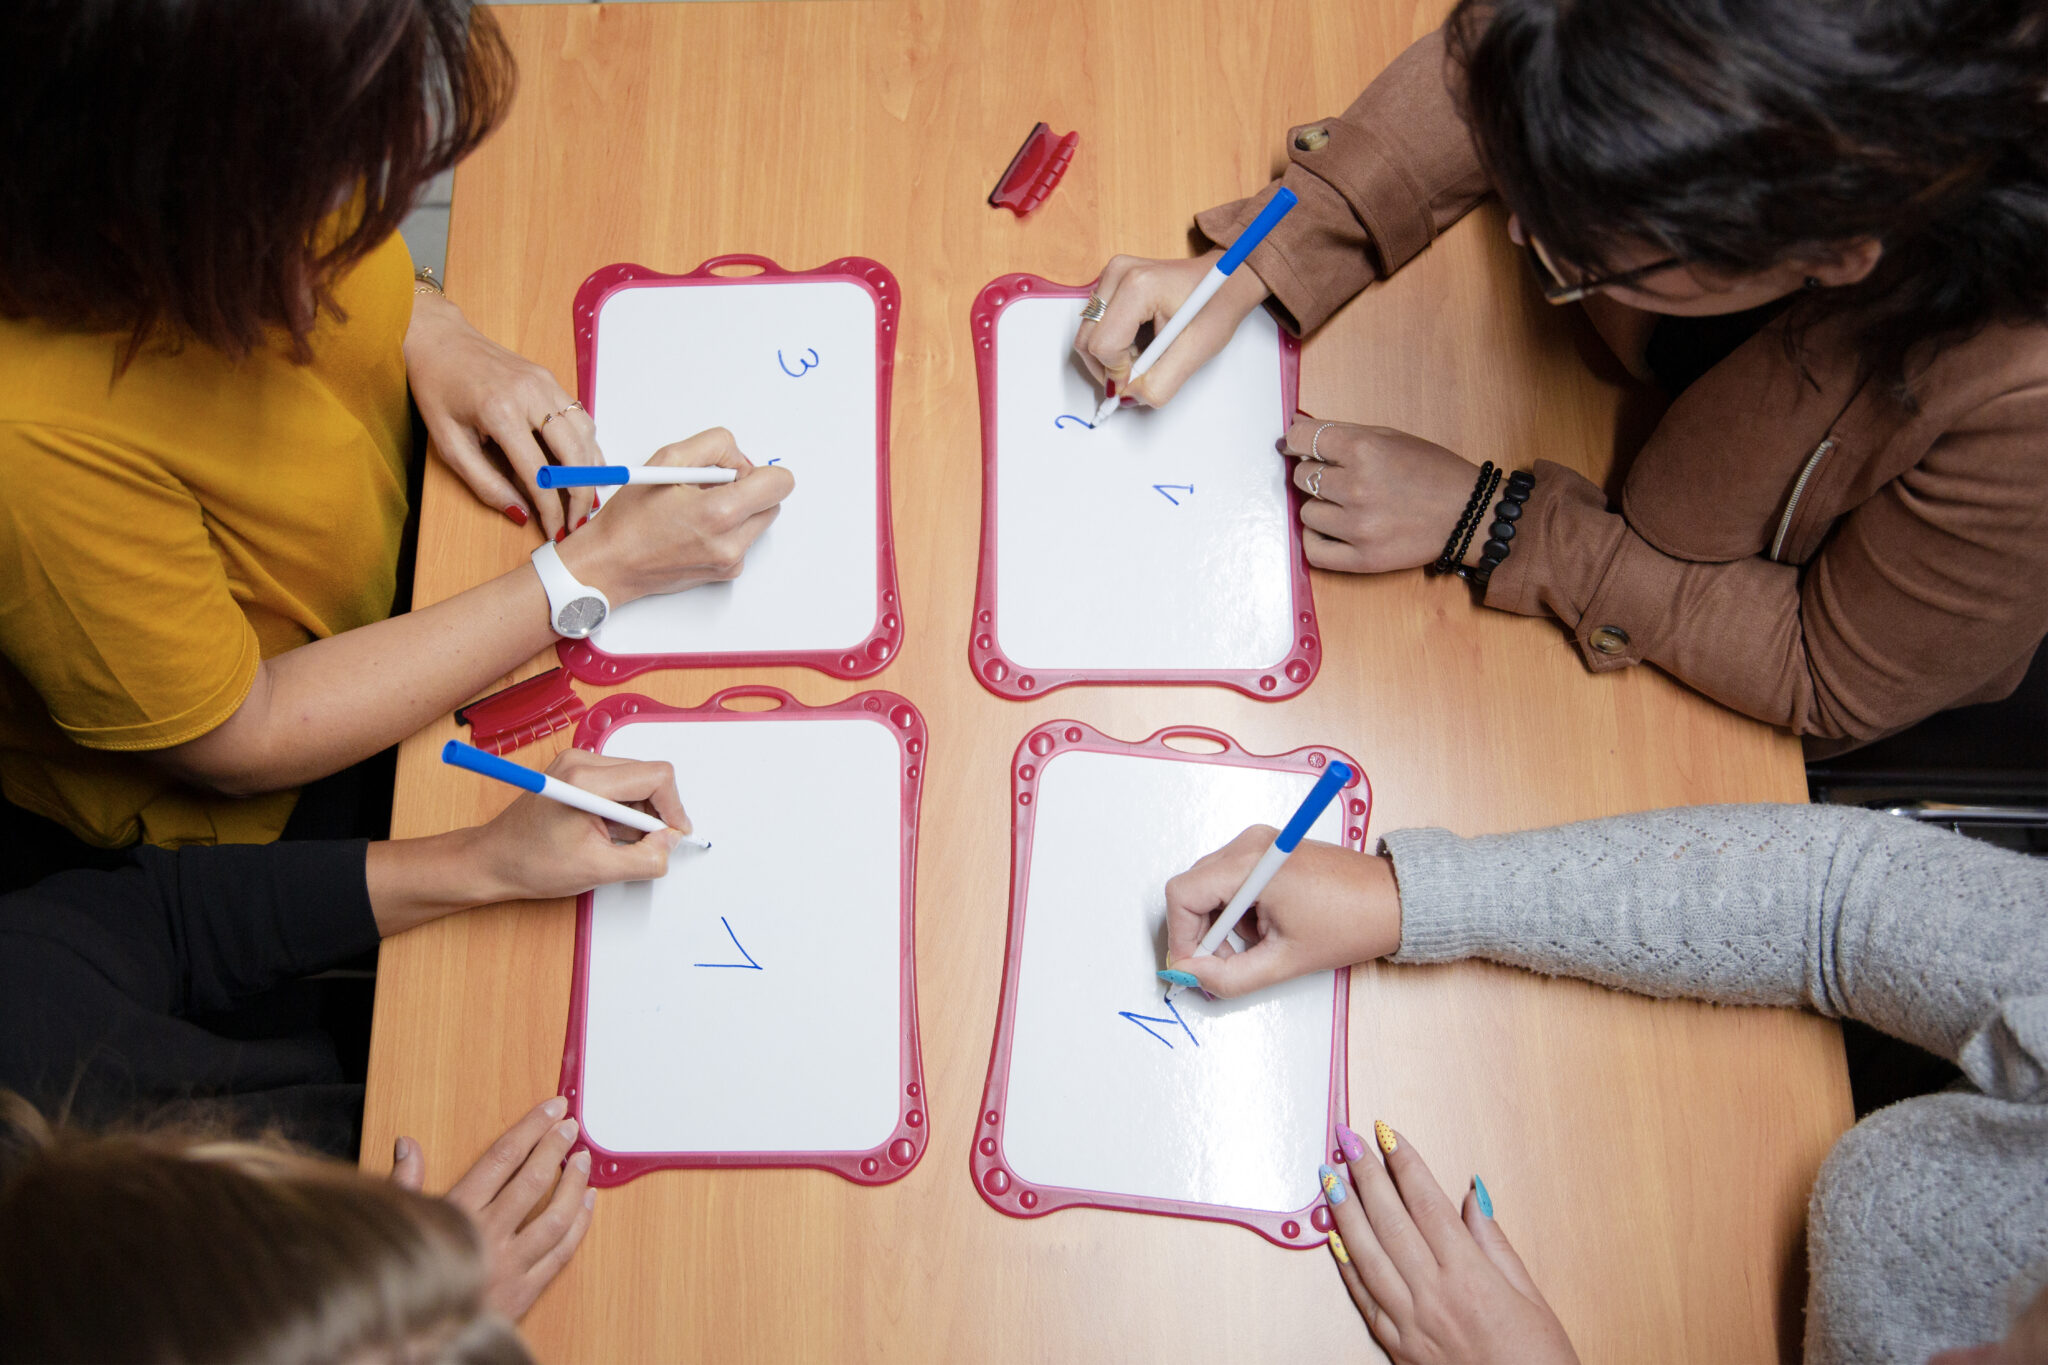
{"x":1388,"y":1142}
{"x":1337,"y":1248}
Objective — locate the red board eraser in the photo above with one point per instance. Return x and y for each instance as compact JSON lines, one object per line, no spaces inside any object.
{"x":1033,"y":172}
{"x":522,"y":713}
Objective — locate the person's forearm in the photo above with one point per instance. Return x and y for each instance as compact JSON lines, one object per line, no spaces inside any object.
{"x":415,"y":881}
{"x":323,"y":706}
{"x":1852,"y":913}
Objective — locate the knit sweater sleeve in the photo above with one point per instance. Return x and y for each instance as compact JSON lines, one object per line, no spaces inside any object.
{"x":1931,"y":937}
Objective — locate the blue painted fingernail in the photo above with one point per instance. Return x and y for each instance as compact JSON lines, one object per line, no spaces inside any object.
{"x":1485,"y":1199}
{"x":1179,"y":978}
{"x":1333,"y":1185}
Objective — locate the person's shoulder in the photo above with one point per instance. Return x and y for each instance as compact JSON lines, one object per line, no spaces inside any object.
{"x":1924,"y":1215}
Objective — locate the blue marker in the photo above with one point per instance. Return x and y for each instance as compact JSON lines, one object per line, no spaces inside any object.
{"x":1276,"y":209}
{"x":601,"y":475}
{"x":1269,"y":863}
{"x":461,"y":755}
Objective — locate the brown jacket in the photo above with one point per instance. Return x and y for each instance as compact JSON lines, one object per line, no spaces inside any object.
{"x":1799,"y":547}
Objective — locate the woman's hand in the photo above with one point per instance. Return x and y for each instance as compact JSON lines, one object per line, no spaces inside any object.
{"x":1382,"y":499}
{"x":1141,"y":291}
{"x":471,"y":391}
{"x":1327,"y":907}
{"x":509,"y":1185}
{"x":538,"y":849}
{"x":1434,"y":1283}
{"x":652,"y":538}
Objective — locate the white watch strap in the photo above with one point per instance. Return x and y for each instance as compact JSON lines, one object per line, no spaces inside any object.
{"x":565,"y":591}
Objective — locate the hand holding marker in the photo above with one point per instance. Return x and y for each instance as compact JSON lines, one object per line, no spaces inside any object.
{"x":1310,"y":810}
{"x":460,"y":755}
{"x":1275,"y":210}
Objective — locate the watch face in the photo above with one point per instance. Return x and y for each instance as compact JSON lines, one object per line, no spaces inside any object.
{"x":578,"y":618}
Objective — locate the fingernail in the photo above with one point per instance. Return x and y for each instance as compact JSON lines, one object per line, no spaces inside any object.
{"x":1333,"y":1185}
{"x":515,"y":514}
{"x":555,"y":1107}
{"x":1180,"y":978}
{"x":1109,"y":388}
{"x":400,"y":1149}
{"x":1353,"y":1146}
{"x":561,"y":535}
{"x":580,"y":520}
{"x":566,"y":1128}
{"x":1389,"y":1144}
{"x":1337,"y":1248}
{"x":1281,"y":445}
{"x":590,"y":1199}
{"x":1485,"y":1199}
{"x":581,"y":1161}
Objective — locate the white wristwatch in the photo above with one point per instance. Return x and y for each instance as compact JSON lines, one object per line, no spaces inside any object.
{"x":574,"y":607}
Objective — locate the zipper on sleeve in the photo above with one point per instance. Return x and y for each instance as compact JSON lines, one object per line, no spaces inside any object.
{"x":1798,"y":489}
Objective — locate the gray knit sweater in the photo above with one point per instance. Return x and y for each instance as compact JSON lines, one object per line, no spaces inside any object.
{"x":1928,"y":1226}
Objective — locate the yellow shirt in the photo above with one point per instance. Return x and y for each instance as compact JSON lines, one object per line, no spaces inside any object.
{"x":163,"y":531}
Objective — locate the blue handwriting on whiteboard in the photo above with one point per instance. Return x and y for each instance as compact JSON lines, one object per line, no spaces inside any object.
{"x":1069,"y":417}
{"x":750,"y":964}
{"x":808,"y":365}
{"x":1160,"y":489}
{"x":1145,"y":1021}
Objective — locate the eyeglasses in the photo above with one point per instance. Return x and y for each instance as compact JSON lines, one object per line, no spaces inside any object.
{"x":1556,"y":290}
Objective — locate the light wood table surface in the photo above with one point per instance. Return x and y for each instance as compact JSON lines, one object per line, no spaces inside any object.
{"x":1651,"y":1160}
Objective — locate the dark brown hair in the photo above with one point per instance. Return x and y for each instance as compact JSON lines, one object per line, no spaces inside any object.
{"x":184,"y":1248}
{"x":1739,"y":134}
{"x":172,"y":169}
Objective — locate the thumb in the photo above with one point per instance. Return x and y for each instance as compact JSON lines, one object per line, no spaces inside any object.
{"x":408,"y":1165}
{"x":1237,"y":974}
{"x":1478,"y":1215}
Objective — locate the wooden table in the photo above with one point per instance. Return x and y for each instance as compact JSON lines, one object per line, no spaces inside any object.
{"x":1651,"y":1160}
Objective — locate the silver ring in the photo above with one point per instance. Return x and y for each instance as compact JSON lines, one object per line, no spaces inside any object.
{"x":1093,"y":310}
{"x":1315,"y":482}
{"x":1316,"y":440}
{"x":574,"y":406}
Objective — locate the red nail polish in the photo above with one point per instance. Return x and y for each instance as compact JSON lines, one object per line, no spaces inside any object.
{"x":561,"y":535}
{"x":580,"y":520}
{"x":1109,"y":388}
{"x":515,"y":514}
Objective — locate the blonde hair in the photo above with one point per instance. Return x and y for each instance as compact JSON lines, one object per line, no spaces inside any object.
{"x":181,"y":1246}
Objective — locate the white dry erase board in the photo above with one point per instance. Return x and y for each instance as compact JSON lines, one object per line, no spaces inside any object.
{"x":1100,"y":1092}
{"x":1164,"y":546}
{"x":798,"y":367}
{"x":758,"y":1005}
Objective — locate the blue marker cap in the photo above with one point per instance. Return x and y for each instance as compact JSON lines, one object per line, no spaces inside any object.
{"x":1312,"y":809}
{"x":1276,"y":209}
{"x":490,"y":765}
{"x":581,"y":475}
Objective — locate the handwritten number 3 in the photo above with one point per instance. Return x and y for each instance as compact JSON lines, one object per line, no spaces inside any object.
{"x":808,"y":365}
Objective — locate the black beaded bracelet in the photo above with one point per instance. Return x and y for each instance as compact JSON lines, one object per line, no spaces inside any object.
{"x":1486,"y":489}
{"x":1448,"y":560}
{"x":1501,"y":541}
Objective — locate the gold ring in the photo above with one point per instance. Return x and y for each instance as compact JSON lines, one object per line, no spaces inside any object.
{"x":574,"y":406}
{"x":1315,"y":483}
{"x":1093,"y":310}
{"x":1316,"y":440}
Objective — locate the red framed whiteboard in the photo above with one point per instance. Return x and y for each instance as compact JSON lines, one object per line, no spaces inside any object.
{"x":715,"y":1018}
{"x":1149,"y":486}
{"x":713,"y":348}
{"x":1091,"y":1074}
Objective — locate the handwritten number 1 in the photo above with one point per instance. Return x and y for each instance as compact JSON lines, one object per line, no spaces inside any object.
{"x":808,"y":365}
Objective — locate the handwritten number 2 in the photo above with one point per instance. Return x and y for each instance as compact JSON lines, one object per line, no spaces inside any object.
{"x":808,"y":365}
{"x":1069,"y":417}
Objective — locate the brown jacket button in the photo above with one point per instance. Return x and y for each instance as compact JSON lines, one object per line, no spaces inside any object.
{"x":1608,"y":639}
{"x":1311,"y":140}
